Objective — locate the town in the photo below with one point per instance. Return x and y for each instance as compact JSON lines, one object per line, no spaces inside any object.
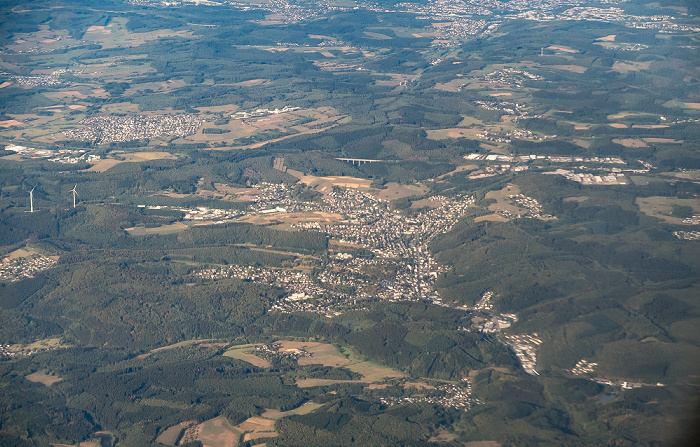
{"x":399,"y":244}
{"x":114,"y":129}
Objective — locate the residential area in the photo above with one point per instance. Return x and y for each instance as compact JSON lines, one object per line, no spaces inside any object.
{"x":115,"y":129}
{"x":398,"y":242}
{"x":447,"y":396}
{"x":17,"y":269}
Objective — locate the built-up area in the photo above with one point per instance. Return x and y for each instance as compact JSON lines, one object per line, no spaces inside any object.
{"x":63,"y":156}
{"x":587,"y":170}
{"x":116,"y":129}
{"x":459,"y":20}
{"x":17,"y":269}
{"x":447,"y":396}
{"x":400,"y":266}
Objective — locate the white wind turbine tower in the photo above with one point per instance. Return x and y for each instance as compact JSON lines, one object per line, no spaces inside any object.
{"x":31,"y":200}
{"x":75,"y":193}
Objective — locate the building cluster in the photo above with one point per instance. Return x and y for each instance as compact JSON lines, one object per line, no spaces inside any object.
{"x":277,"y":198}
{"x":263,"y":112}
{"x":687,"y":235}
{"x":583,"y":367}
{"x":585,"y":178}
{"x":510,"y":135}
{"x":552,"y":158}
{"x":485,"y":303}
{"x":30,"y":152}
{"x":532,"y":205}
{"x":116,"y":129}
{"x":625,"y":385}
{"x":7,"y":350}
{"x":290,"y":11}
{"x":64,"y":156}
{"x":492,"y":170}
{"x":213,"y":214}
{"x":662,"y":23}
{"x":68,"y":156}
{"x":447,"y":396}
{"x":525,"y":348}
{"x":510,"y":108}
{"x":200,"y":213}
{"x":495,"y":323}
{"x":305,"y":293}
{"x":444,"y":9}
{"x":466,"y":18}
{"x":695,"y":220}
{"x":634,"y":47}
{"x":277,"y":350}
{"x":488,"y":322}
{"x":17,"y":269}
{"x":399,"y":244}
{"x":511,"y":76}
{"x":460,"y":29}
{"x":39,"y":80}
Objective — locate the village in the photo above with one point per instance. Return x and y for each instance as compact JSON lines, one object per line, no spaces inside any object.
{"x":447,"y":396}
{"x":17,"y":269}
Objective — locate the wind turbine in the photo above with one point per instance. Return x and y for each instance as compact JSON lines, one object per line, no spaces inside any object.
{"x":31,"y":200}
{"x":75,"y":193}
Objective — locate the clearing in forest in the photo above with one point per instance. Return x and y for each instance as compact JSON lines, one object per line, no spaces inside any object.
{"x":325,"y":185}
{"x":630,"y":142}
{"x":135,"y":157}
{"x":217,"y":432}
{"x":571,"y":68}
{"x":241,"y":353}
{"x":163,"y":229}
{"x":43,"y":378}
{"x":148,"y":156}
{"x":10,"y":123}
{"x":562,"y":48}
{"x":491,"y":218}
{"x":328,"y":355}
{"x":628,"y":66}
{"x":394,"y":191}
{"x":501,"y":198}
{"x":172,"y":434}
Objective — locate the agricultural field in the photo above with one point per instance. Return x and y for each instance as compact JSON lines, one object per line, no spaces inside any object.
{"x":669,"y":209}
{"x":329,"y":355}
{"x":243,"y":353}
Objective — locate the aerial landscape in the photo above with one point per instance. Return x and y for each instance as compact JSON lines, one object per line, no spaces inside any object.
{"x":392,"y":223}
